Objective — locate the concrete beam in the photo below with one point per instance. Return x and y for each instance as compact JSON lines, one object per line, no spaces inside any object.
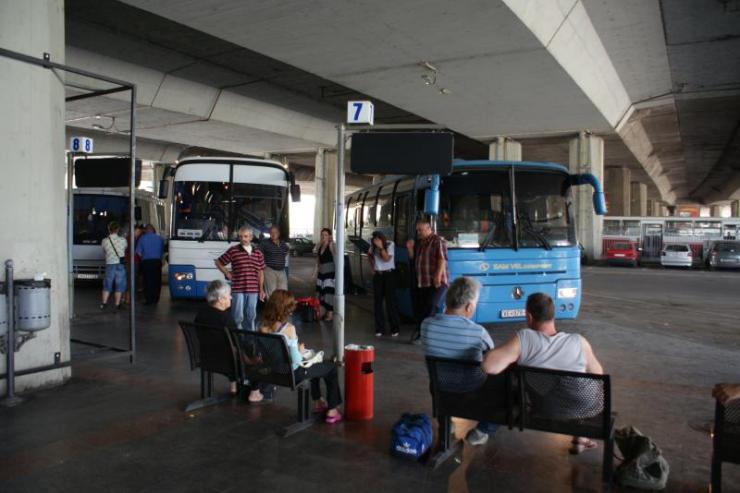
{"x":177,"y":110}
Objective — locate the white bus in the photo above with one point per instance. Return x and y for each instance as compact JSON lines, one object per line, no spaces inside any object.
{"x":94,"y":209}
{"x":212,"y":197}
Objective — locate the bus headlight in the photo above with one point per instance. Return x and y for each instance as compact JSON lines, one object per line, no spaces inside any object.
{"x":183,"y":276}
{"x":567,"y":292}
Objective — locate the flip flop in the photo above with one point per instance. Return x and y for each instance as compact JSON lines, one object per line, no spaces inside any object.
{"x":581,"y":445}
{"x":334,"y":419}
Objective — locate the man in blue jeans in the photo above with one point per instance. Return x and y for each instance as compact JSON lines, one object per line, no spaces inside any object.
{"x":246,"y":276}
{"x":454,"y":335}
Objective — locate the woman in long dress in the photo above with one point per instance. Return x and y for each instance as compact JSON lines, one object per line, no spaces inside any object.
{"x":325,"y":272}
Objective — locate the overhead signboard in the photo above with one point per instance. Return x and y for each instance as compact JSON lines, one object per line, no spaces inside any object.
{"x":360,"y":112}
{"x":402,"y":153}
{"x":81,"y":144}
{"x":105,"y":172}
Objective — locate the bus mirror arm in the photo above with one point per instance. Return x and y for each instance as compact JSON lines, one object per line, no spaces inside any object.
{"x":164,"y":186}
{"x":599,"y":199}
{"x":295,"y":189}
{"x":431,"y":197}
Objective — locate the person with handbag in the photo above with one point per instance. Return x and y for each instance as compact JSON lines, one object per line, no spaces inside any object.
{"x":115,"y":271}
{"x":275,"y":320}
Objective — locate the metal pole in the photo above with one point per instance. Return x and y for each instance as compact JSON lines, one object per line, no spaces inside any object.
{"x":339,"y":222}
{"x":10,"y":398}
{"x":132,"y":227}
{"x":70,"y":232}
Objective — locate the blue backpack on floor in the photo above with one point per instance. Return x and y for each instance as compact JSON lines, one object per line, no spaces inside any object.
{"x":411,"y":436}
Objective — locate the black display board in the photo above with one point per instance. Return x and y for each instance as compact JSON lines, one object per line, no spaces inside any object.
{"x":105,"y":172}
{"x":402,"y":153}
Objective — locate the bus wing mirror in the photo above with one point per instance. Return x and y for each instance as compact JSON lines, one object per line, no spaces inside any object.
{"x":164,"y":189}
{"x":599,"y":200}
{"x":431,"y":197}
{"x":295,"y":192}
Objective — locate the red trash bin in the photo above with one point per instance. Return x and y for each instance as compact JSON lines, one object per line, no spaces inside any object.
{"x":359,"y":381}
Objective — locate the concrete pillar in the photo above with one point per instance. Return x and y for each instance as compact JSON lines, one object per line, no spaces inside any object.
{"x":716,"y":211}
{"x":650,"y":208}
{"x":735,"y":208}
{"x":617,"y":187}
{"x":32,"y":194}
{"x":325,"y":182}
{"x":587,"y":156}
{"x":505,"y":149}
{"x":638,"y":199}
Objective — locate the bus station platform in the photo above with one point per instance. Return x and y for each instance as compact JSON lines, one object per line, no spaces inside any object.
{"x":117,"y":427}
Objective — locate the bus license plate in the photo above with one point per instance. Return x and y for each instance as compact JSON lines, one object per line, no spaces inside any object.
{"x":514,"y":313}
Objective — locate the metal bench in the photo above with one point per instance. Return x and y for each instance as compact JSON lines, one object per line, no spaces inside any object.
{"x":726,"y":441}
{"x":212,"y":350}
{"x":555,"y":401}
{"x":265,"y":358}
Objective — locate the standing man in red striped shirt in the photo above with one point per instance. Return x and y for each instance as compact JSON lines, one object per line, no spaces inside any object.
{"x":429,"y":254}
{"x":246,"y":276}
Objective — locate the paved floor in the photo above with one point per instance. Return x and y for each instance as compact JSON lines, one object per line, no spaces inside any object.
{"x":664,"y":336}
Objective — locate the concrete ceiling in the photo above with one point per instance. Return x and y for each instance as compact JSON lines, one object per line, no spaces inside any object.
{"x":659,"y":79}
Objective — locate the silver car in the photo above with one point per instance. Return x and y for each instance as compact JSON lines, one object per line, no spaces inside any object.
{"x":677,"y":255}
{"x":724,"y":255}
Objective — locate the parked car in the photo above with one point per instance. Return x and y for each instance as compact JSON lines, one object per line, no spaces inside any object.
{"x":300,"y":246}
{"x":677,"y":255}
{"x":724,"y":255}
{"x":624,"y":253}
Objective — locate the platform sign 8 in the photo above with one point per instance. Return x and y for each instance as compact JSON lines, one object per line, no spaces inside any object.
{"x":360,"y":112}
{"x":81,"y":144}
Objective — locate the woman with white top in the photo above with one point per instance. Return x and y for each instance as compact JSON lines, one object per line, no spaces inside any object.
{"x":275,"y":320}
{"x":115,"y":271}
{"x":381,"y":256}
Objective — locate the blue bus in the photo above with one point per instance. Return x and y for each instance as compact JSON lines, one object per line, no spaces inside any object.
{"x":508,"y":224}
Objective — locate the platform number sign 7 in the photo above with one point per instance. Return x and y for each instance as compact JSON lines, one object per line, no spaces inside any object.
{"x":81,"y":144}
{"x":360,"y":112}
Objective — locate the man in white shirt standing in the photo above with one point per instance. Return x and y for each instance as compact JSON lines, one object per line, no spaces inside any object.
{"x":115,"y":271}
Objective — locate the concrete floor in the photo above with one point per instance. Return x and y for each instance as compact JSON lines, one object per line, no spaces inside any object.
{"x":665,"y":336}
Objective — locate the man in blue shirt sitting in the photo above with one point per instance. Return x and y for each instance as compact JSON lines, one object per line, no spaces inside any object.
{"x":454,"y":335}
{"x":151,"y":249}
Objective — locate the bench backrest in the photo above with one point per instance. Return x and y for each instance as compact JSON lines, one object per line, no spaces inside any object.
{"x":215,"y":351}
{"x":727,"y":432}
{"x":191,"y":339}
{"x":565,"y":402}
{"x":460,"y":388}
{"x":264,"y":358}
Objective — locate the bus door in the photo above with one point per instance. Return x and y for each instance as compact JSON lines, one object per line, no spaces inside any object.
{"x":402,"y":214}
{"x":368,"y":226}
{"x":652,"y":241}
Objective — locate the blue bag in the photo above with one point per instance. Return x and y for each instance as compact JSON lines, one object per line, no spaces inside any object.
{"x":411,"y":436}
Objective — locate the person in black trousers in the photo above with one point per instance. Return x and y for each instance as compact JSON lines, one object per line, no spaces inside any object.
{"x":151,"y":249}
{"x":381,"y":256}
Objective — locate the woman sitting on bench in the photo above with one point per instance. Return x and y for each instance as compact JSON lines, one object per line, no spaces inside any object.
{"x":275,"y":320}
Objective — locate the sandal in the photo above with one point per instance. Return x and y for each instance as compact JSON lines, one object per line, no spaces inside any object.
{"x":255,"y":396}
{"x":581,"y":444}
{"x":320,"y":408}
{"x":332,"y":420}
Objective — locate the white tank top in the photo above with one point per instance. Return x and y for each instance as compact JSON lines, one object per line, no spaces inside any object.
{"x":559,"y":352}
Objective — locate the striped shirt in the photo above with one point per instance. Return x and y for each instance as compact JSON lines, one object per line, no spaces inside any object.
{"x":454,"y":337}
{"x":426,"y":260}
{"x":274,"y":254}
{"x":245,"y":268}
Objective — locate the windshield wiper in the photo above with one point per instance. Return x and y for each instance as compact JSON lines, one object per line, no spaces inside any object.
{"x":487,"y":239}
{"x":526,"y":224}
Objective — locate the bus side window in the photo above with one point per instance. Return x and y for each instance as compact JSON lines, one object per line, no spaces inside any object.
{"x":385,"y":206}
{"x":368,"y":210}
{"x":402,"y":219}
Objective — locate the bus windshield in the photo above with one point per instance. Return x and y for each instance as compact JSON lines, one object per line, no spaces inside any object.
{"x":208,"y":211}
{"x":475,"y":209}
{"x":93,"y":213}
{"x":543,"y":209}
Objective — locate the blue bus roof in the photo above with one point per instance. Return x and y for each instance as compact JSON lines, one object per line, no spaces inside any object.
{"x":460,"y":163}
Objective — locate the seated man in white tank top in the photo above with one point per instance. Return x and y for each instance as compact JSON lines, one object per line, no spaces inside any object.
{"x":542,"y":346}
